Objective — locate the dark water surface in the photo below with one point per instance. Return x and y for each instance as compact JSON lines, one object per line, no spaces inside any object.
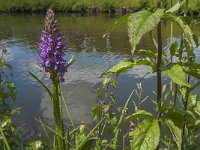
{"x":94,"y":54}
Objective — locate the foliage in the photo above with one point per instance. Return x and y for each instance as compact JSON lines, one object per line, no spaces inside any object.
{"x":8,"y":137}
{"x":175,"y":124}
{"x":83,"y":5}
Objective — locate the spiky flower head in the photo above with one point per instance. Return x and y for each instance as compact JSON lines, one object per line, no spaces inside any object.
{"x":51,"y":45}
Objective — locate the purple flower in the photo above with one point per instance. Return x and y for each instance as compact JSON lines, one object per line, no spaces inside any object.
{"x":51,"y":45}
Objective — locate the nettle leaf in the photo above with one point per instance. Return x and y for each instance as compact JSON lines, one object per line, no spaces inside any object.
{"x":140,"y":23}
{"x":146,"y":135}
{"x":175,"y":131}
{"x":137,"y":115}
{"x":148,"y":53}
{"x":117,"y":23}
{"x":176,"y":74}
{"x":186,"y":29}
{"x":125,"y":65}
{"x":193,"y":72}
{"x":120,"y":67}
{"x":176,"y":7}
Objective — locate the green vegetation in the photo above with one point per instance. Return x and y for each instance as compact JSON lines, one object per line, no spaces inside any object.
{"x":177,"y":106}
{"x":87,"y":5}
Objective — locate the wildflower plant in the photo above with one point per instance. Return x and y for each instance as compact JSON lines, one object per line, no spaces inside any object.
{"x":53,"y":63}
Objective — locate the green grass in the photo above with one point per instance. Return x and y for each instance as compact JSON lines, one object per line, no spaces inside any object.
{"x":82,"y":5}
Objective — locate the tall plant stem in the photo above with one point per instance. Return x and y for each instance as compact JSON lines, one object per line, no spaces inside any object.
{"x":159,"y":58}
{"x":185,"y":109}
{"x":159,"y":78}
{"x":57,"y":114}
{"x":186,"y":8}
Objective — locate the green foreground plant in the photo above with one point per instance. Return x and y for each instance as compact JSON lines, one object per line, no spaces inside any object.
{"x":177,"y":121}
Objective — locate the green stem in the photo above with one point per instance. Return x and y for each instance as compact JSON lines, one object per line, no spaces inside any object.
{"x":4,"y":139}
{"x":159,"y":59}
{"x":57,"y":113}
{"x":175,"y":94}
{"x":159,"y":78}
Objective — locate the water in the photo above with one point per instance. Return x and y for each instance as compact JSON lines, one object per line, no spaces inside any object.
{"x":94,"y":55}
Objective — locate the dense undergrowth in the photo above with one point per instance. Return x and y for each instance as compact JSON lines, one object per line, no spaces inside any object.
{"x":176,"y":121}
{"x":86,"y":5}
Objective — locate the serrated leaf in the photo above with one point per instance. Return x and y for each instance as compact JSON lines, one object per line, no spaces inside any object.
{"x":146,"y":135}
{"x":176,"y":7}
{"x":147,"y":53}
{"x":140,"y":23}
{"x":132,"y":117}
{"x":186,"y":29}
{"x":193,"y":72}
{"x":175,"y":131}
{"x":117,"y":23}
{"x":176,"y":74}
{"x":121,"y":67}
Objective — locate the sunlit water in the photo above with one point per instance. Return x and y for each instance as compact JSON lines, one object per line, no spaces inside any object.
{"x":94,"y":55}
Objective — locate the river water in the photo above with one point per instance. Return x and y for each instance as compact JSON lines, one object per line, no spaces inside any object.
{"x":94,"y":55}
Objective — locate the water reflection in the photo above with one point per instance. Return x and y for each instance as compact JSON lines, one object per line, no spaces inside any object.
{"x":94,"y":54}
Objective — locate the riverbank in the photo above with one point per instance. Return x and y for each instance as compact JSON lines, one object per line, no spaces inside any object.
{"x":93,"y":6}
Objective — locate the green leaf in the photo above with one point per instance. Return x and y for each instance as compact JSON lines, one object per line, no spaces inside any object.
{"x":1,"y":62}
{"x":140,"y":23}
{"x":10,"y":84}
{"x":106,"y":81}
{"x":176,"y":7}
{"x":89,"y":134}
{"x":114,"y":84}
{"x":153,"y":40}
{"x":175,"y":131}
{"x":177,"y":116}
{"x":111,"y":118}
{"x":146,"y":135}
{"x":186,"y":29}
{"x":121,"y":67}
{"x":117,"y":23}
{"x":192,"y":101}
{"x":39,"y":81}
{"x":193,"y":72}
{"x":88,"y":144}
{"x":99,"y":90}
{"x":198,"y":106}
{"x":95,"y":111}
{"x":8,"y":65}
{"x":176,"y":74}
{"x":196,"y":40}
{"x":71,"y":61}
{"x":148,"y":53}
{"x":173,"y":48}
{"x":132,"y":117}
